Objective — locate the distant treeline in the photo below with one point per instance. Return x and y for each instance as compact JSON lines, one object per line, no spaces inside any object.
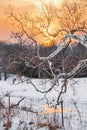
{"x":22,"y":60}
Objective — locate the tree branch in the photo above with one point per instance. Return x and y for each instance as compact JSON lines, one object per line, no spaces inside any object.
{"x":17,"y":103}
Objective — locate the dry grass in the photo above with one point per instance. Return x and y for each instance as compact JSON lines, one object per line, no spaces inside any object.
{"x":50,"y":125}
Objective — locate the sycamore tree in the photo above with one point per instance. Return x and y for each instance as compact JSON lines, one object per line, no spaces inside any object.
{"x":64,"y":25}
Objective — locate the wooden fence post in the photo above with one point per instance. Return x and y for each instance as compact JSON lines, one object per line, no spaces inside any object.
{"x":62,"y":113}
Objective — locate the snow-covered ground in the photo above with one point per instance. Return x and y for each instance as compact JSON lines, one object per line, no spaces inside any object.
{"x":76,"y":88}
{"x":37,"y":102}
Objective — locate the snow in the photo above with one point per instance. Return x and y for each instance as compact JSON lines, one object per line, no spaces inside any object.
{"x":76,"y":91}
{"x":44,"y":128}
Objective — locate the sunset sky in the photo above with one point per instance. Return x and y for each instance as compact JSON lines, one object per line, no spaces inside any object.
{"x":44,"y":32}
{"x":5,"y":26}
{"x":20,"y":5}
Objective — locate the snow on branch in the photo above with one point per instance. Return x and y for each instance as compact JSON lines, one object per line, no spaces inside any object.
{"x":82,"y":40}
{"x":82,"y":64}
{"x":57,"y":51}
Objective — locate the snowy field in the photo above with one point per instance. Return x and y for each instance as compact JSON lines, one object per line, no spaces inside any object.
{"x":32,"y":113}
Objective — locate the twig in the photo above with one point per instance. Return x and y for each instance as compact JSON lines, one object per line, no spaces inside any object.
{"x":17,"y":103}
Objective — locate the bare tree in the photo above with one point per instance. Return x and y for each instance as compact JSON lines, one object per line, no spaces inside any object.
{"x":72,"y":16}
{"x":68,"y":21}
